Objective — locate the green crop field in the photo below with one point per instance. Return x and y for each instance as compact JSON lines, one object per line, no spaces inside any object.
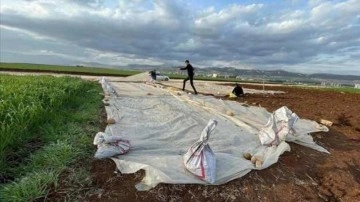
{"x":331,"y":89}
{"x":96,"y":71}
{"x":44,"y":127}
{"x":66,"y":69}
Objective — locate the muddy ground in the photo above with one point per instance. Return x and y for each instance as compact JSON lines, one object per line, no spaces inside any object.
{"x":302,"y":174}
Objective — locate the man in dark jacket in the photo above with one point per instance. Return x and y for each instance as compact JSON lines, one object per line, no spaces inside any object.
{"x":153,"y":74}
{"x":190,"y":71}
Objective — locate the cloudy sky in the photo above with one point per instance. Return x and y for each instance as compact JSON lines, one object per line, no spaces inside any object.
{"x":295,"y":35}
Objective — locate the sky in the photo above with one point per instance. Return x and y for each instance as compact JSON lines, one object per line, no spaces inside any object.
{"x":315,"y":36}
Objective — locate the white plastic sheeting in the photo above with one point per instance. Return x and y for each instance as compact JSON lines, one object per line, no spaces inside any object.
{"x":162,"y":125}
{"x":218,"y":88}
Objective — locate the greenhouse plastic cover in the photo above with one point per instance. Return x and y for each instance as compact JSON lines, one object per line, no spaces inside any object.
{"x":162,"y":123}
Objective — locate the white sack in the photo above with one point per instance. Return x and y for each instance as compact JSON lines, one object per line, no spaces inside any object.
{"x":200,"y":159}
{"x":106,"y":86}
{"x":278,"y":127}
{"x":109,"y":145}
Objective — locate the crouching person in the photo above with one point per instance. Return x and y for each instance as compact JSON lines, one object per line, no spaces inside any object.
{"x":237,"y":91}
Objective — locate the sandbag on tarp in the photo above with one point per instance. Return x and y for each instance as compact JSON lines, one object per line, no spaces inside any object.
{"x":109,"y":145}
{"x":284,"y":125}
{"x":200,"y":160}
{"x":279,"y":125}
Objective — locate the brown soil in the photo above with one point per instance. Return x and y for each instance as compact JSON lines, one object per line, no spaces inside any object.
{"x":300,"y":175}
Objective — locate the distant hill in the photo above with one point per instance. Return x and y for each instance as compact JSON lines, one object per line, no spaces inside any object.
{"x":275,"y":74}
{"x":254,"y":72}
{"x":267,"y":74}
{"x":334,"y":76}
{"x":278,"y":75}
{"x":232,"y":71}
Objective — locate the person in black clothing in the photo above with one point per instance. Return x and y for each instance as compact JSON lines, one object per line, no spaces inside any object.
{"x":153,"y":74}
{"x":238,"y":91}
{"x":190,"y":71}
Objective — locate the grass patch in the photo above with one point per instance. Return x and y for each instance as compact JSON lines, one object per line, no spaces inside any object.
{"x":27,"y":104}
{"x":45,"y":158}
{"x":29,"y":188}
{"x":65,"y":131}
{"x":65,"y":69}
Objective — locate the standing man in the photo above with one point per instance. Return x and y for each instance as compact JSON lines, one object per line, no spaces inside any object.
{"x":153,"y":74}
{"x":190,"y":71}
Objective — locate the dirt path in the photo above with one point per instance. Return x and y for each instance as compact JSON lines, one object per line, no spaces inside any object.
{"x":300,"y":175}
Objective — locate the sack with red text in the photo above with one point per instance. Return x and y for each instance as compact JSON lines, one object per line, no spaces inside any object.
{"x":278,"y":127}
{"x":200,"y":159}
{"x":109,"y":145}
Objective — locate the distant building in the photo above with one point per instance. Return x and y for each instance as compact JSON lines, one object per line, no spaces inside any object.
{"x":357,"y":85}
{"x":214,"y":75}
{"x":330,"y":84}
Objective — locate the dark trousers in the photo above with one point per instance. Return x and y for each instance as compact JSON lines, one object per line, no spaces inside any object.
{"x":191,"y":78}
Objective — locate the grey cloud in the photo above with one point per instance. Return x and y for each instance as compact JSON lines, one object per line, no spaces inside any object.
{"x":170,"y":31}
{"x":21,"y":47}
{"x":85,"y":3}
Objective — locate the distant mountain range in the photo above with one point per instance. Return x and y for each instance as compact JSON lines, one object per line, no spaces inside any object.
{"x":245,"y":73}
{"x":282,"y":73}
{"x":334,"y":76}
{"x":231,"y":71}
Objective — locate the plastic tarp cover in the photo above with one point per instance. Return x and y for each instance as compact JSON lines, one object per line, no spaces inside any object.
{"x":161,"y":126}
